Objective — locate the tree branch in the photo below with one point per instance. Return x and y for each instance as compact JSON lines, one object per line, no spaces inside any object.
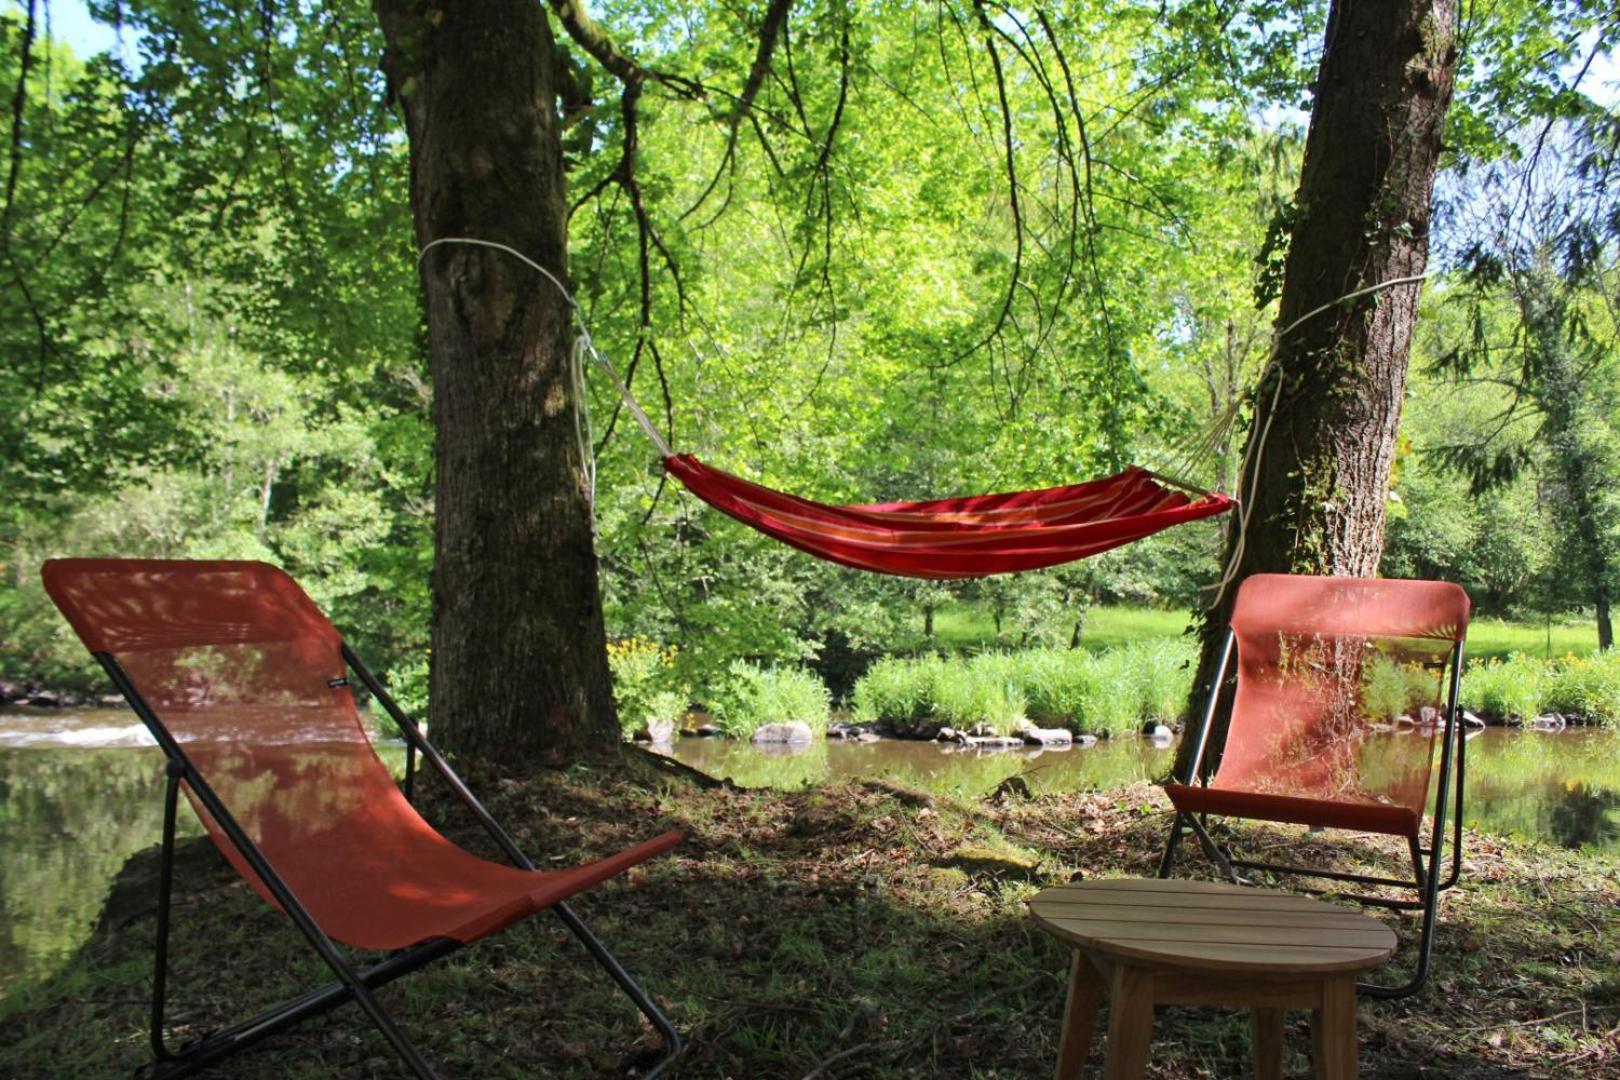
{"x":590,"y":36}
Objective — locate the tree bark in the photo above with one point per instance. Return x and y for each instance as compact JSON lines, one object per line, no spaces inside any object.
{"x":1322,"y":440}
{"x":519,"y":667}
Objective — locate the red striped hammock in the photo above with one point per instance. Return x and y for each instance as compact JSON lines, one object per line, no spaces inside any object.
{"x":957,"y":538}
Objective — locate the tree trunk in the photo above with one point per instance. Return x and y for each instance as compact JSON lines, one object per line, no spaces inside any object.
{"x":1325,"y":415}
{"x":519,"y":659}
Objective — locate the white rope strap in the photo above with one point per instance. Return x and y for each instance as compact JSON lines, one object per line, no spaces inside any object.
{"x":583,"y":345}
{"x":1257,"y":445}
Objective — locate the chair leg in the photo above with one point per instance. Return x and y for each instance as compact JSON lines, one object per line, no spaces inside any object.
{"x":1213,"y":851}
{"x":230,"y":1041}
{"x":222,"y":1044}
{"x":643,"y":1003}
{"x":1457,"y":822}
{"x":1429,"y":894}
{"x":160,"y":951}
{"x":1168,"y":859}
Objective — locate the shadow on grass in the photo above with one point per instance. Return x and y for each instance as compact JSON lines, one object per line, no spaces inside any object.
{"x":849,"y":930}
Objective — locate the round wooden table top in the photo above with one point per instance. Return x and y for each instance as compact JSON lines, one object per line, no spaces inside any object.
{"x":1206,"y":925}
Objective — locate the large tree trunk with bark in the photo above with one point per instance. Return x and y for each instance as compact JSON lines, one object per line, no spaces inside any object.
{"x":1325,"y":415}
{"x":519,"y":667}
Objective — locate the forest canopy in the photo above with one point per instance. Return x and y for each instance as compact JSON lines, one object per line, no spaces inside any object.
{"x":920,"y":249}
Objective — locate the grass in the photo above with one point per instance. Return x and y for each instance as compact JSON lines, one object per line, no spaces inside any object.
{"x":748,"y":697}
{"x":969,"y":626}
{"x":1110,"y":692}
{"x":1494,"y":637}
{"x":856,"y":929}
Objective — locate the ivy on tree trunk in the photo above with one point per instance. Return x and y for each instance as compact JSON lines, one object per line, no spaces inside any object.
{"x":519,"y":667}
{"x":1322,"y":437}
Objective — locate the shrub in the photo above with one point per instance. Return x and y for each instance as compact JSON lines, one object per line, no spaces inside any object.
{"x":1587,"y":687}
{"x":1060,"y":686}
{"x":749,"y":697}
{"x":985,"y":690}
{"x":1392,"y":688}
{"x":1140,"y":682}
{"x":645,"y":686}
{"x":1505,"y":689}
{"x":1112,"y":692}
{"x":896,"y":691}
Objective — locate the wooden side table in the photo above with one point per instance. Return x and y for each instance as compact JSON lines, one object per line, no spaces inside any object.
{"x":1152,"y":942}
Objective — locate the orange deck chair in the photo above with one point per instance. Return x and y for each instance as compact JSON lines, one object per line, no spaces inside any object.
{"x":243,"y":683}
{"x":1344,"y":685}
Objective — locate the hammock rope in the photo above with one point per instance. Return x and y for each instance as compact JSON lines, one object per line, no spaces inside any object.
{"x":967,"y":537}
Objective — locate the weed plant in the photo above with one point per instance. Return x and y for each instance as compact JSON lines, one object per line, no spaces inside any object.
{"x":646,"y":689}
{"x":749,"y":696}
{"x":1582,"y":688}
{"x":1111,"y":693}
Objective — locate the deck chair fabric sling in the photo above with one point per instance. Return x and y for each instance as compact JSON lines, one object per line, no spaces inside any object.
{"x":1344,"y":687}
{"x":243,"y":683}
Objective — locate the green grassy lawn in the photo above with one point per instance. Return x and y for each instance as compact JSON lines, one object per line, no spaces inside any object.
{"x":969,"y":626}
{"x":1494,"y":637}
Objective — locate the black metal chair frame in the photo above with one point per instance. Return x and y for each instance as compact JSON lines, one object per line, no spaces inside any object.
{"x":351,"y":983}
{"x":1428,"y":882}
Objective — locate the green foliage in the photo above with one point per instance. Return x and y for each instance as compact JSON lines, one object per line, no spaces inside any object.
{"x":408,"y":685}
{"x":1587,"y":687}
{"x":646,"y":689}
{"x":1582,"y":688}
{"x":1149,"y":680}
{"x":1391,"y":688}
{"x":897,"y":691}
{"x":747,"y":697}
{"x":1112,"y":692}
{"x":1061,"y":686}
{"x":1504,"y":689}
{"x":984,"y":690}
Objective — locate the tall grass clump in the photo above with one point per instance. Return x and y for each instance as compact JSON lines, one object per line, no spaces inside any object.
{"x":1098,"y":693}
{"x":1508,"y":689}
{"x":1060,"y":687}
{"x":1582,"y":688}
{"x":1585,"y":687}
{"x":1136,"y":683}
{"x":896,"y":691}
{"x":1392,"y":688}
{"x":748,"y":697}
{"x":986,"y":690}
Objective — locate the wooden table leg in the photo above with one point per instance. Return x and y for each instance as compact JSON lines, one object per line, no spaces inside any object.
{"x":1130,"y":1022}
{"x":1333,"y":1031}
{"x":1268,"y":1043}
{"x":1079,"y":1016}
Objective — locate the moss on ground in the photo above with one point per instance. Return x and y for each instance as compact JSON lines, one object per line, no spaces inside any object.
{"x":838,"y":932}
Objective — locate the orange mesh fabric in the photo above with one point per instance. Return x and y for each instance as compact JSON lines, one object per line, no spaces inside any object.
{"x":1341,"y":689}
{"x":239,"y":664}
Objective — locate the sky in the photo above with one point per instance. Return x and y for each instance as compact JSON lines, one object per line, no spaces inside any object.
{"x":71,"y":22}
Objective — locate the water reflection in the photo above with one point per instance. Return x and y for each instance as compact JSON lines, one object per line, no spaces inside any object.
{"x":69,"y":819}
{"x":71,"y":815}
{"x":942,"y":767}
{"x":1562,"y":788}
